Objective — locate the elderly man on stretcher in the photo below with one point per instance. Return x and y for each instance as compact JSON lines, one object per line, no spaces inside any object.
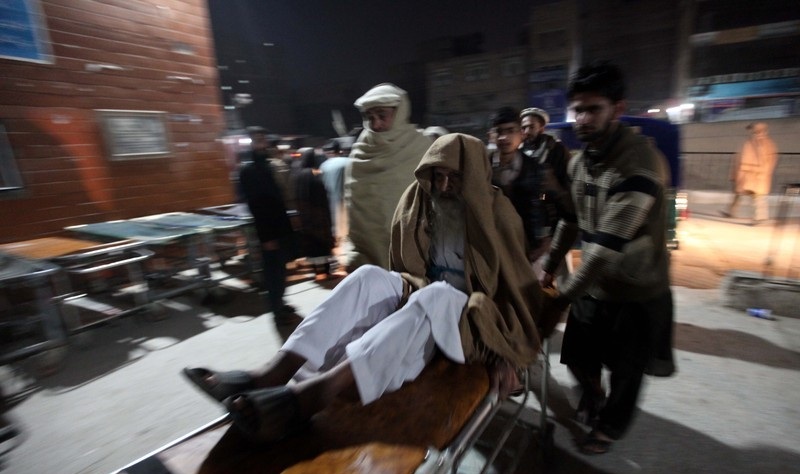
{"x":460,"y":284}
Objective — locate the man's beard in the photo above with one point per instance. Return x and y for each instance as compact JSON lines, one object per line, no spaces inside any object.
{"x":448,"y":213}
{"x":593,"y":135}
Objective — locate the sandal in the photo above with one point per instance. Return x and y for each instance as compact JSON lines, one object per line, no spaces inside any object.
{"x":268,"y":414}
{"x":227,"y":384}
{"x":593,"y":444}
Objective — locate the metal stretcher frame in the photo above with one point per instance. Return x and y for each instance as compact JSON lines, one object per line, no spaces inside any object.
{"x":73,"y":257}
{"x":156,"y":237}
{"x":218,"y":224}
{"x":17,"y":271}
{"x":435,"y":461}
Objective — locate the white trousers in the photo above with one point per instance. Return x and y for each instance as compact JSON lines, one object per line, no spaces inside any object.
{"x":385,"y":346}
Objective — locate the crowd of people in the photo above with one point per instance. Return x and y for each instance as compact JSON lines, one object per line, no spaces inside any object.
{"x":452,"y":248}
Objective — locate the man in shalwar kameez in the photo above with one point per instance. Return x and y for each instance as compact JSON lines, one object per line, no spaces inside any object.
{"x":459,"y":285}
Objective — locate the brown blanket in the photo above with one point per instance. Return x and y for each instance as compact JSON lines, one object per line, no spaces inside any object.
{"x":506,"y":301}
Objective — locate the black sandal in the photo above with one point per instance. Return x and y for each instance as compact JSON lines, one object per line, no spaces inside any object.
{"x":227,"y":384}
{"x":268,"y":415}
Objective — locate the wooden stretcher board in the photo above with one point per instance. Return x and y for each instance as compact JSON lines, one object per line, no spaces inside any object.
{"x":391,"y":435}
{"x":49,"y":248}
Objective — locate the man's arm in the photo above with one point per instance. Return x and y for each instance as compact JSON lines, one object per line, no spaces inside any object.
{"x":625,"y":212}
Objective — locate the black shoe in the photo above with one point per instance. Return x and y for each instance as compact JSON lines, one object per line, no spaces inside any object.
{"x":267,"y":415}
{"x":286,"y":316}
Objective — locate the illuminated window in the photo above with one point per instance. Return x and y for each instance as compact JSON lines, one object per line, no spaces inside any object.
{"x":10,"y":178}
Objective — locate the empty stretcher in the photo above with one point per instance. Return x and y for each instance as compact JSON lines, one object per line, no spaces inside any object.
{"x":29,"y":319}
{"x":424,"y":427}
{"x":60,"y":273}
{"x":181,"y":256}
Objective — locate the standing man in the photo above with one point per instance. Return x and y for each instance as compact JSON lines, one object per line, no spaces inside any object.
{"x":516,"y":176}
{"x":382,"y":166}
{"x":521,"y":177}
{"x":621,"y":302}
{"x":265,"y":198}
{"x":751,"y":173}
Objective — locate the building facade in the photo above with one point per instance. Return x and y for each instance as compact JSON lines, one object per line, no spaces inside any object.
{"x":108,"y":110}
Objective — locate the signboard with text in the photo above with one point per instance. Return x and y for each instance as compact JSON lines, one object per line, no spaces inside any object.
{"x":23,"y":33}
{"x":131,"y":134}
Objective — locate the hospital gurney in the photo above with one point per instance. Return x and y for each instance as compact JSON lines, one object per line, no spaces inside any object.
{"x":29,"y":320}
{"x":85,"y":270}
{"x":180,"y":259}
{"x":425,"y":427}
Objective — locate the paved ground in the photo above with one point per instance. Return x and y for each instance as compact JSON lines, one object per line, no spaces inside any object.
{"x":732,"y":407}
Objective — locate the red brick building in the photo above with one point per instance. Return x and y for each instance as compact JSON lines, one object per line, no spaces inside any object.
{"x":122,"y":120}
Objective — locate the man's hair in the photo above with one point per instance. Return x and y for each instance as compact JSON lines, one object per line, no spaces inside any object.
{"x":599,"y":77}
{"x":505,"y":115}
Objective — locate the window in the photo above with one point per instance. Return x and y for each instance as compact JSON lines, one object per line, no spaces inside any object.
{"x":442,"y":77}
{"x":477,"y":72}
{"x":10,"y":178}
{"x":512,"y":67}
{"x":553,"y":39}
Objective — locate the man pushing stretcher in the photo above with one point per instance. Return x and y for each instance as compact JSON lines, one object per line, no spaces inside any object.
{"x":460,"y":285}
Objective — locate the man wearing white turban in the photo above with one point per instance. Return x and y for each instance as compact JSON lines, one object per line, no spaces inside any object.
{"x":382,"y":166}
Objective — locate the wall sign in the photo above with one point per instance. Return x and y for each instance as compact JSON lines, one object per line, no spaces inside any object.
{"x":133,"y":134}
{"x":23,"y":32}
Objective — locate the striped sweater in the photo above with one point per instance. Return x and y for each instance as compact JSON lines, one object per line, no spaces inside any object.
{"x":620,"y":212}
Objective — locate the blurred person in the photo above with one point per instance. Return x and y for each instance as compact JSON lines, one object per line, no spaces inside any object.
{"x":314,"y":214}
{"x":382,"y":165}
{"x":333,"y":170}
{"x":621,"y":312}
{"x":518,"y":177}
{"x":378,"y":328}
{"x":549,"y":157}
{"x":751,"y":172}
{"x":265,"y":199}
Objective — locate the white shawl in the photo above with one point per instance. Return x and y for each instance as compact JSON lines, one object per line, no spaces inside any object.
{"x":381,"y":168}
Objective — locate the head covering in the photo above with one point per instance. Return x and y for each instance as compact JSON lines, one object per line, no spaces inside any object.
{"x":381,"y":168}
{"x":537,"y":112}
{"x":382,"y":95}
{"x":435,"y":132}
{"x":504,"y":295}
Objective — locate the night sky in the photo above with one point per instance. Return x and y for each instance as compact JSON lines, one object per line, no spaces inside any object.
{"x":329,"y":41}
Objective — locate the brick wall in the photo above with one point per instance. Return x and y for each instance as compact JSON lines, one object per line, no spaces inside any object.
{"x":163,"y":59}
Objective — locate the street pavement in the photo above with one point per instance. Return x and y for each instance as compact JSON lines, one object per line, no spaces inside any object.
{"x":732,"y":407}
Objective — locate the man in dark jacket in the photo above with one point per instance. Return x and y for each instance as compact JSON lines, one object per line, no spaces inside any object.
{"x":621,"y":302}
{"x":265,"y":199}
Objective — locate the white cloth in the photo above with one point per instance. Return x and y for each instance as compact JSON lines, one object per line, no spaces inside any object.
{"x":385,"y":346}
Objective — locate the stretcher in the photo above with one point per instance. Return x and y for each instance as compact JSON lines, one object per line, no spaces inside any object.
{"x":69,"y":285}
{"x":29,"y":319}
{"x":181,"y":260}
{"x":230,"y":235}
{"x":427,"y":426}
